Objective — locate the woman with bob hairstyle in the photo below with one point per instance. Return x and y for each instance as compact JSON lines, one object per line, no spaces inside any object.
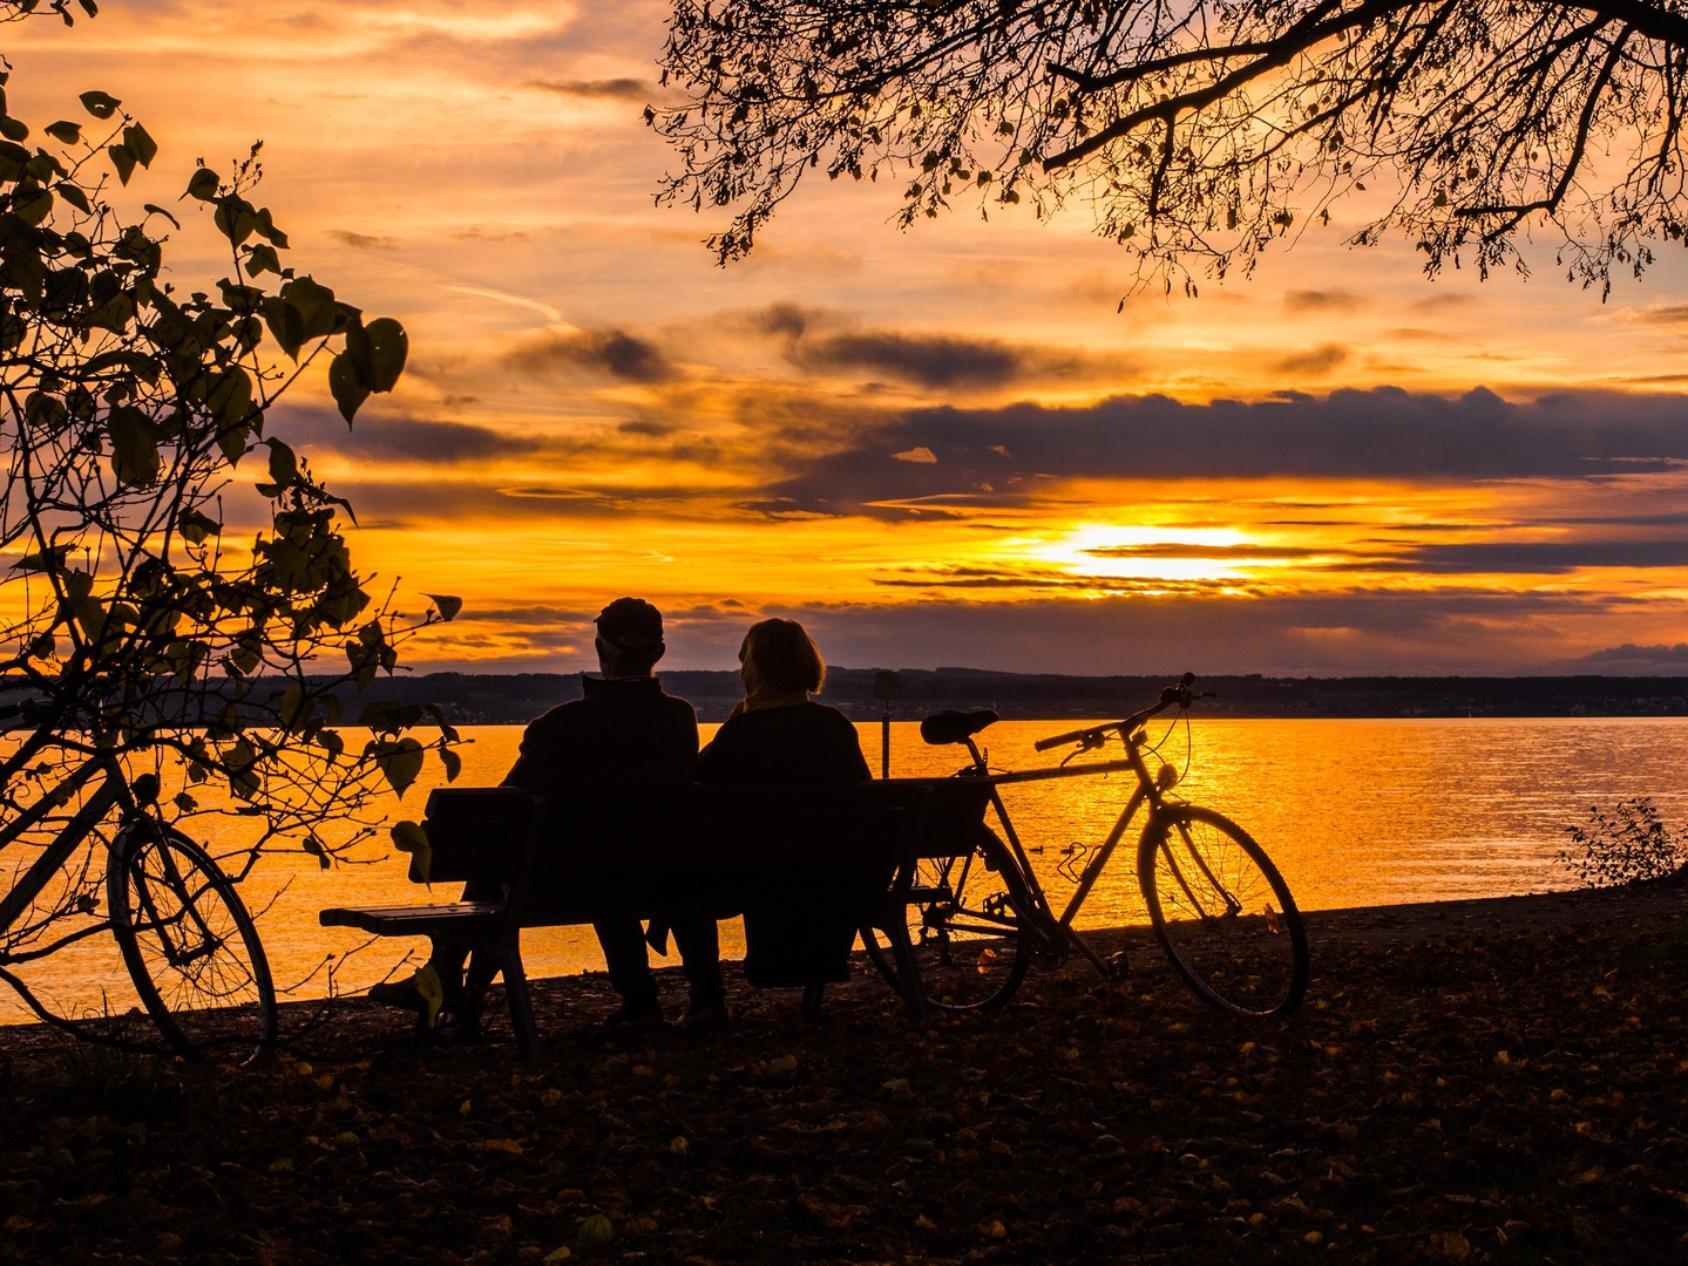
{"x":777,"y":736}
{"x":776,"y":733}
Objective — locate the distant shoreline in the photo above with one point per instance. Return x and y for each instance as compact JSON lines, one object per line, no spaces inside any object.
{"x":513,"y":698}
{"x":516,"y":698}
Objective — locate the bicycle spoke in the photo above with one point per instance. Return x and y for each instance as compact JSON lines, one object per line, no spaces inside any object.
{"x":1223,"y":913}
{"x":190,"y":946}
{"x":967,"y":933}
{"x":1214,"y":886}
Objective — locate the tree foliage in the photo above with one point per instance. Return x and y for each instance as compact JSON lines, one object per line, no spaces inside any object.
{"x":1200,"y":132}
{"x":176,"y":589}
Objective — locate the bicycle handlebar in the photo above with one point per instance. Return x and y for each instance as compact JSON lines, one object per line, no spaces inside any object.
{"x":31,"y":710}
{"x":1181,"y":695}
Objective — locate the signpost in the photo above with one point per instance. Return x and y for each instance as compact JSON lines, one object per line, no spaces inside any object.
{"x":886,"y":687}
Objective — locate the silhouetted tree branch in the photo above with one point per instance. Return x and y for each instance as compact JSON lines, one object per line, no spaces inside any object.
{"x":1200,"y":131}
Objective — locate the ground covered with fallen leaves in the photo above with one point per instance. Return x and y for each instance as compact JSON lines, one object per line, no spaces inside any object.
{"x":1489,"y":1082}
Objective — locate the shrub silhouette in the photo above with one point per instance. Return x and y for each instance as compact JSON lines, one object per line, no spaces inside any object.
{"x":1625,"y":845}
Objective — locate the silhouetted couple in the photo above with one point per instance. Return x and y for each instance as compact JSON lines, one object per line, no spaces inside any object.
{"x":627,"y":733}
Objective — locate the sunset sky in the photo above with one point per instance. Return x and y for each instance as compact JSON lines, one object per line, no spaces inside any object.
{"x":942,"y":447}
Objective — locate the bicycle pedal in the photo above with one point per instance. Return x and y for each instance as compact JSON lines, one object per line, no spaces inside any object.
{"x":1048,"y":957}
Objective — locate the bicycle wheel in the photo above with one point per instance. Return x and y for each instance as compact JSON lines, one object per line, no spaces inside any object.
{"x":1222,"y":912}
{"x":965,"y":924}
{"x":190,"y":946}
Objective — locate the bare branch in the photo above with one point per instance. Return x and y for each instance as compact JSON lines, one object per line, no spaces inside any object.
{"x":1482,"y":113}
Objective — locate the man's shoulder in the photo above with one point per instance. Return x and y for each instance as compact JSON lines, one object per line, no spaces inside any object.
{"x":555,"y":718}
{"x":677,"y":705}
{"x":567,"y":708}
{"x":591,"y":710}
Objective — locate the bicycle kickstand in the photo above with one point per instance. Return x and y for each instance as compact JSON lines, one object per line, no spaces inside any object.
{"x":1111,"y":968}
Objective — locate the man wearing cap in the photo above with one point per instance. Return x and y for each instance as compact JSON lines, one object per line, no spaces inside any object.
{"x":624,"y":732}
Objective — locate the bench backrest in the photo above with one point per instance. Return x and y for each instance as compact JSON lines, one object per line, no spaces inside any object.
{"x":640,"y":842}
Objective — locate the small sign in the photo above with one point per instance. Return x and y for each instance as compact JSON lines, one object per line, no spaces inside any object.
{"x":887,"y":685}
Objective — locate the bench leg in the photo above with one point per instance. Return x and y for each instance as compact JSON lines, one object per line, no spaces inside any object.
{"x":812,"y":995}
{"x":516,"y":990}
{"x":422,"y":1035}
{"x":908,"y":970}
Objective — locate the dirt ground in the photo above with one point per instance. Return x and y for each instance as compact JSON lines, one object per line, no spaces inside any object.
{"x":1499,"y":1081}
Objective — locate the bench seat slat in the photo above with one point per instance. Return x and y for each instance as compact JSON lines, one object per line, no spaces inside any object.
{"x":390,"y":920}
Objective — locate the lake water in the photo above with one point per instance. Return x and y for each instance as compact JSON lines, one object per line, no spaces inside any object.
{"x":1355,"y":812}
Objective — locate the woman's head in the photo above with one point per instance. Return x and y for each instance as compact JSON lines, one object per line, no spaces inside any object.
{"x":779,"y":657}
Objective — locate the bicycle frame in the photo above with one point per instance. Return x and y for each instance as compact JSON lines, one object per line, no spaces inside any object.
{"x":1212,"y":898}
{"x":1059,"y":928}
{"x":159,"y":884}
{"x":112,"y":793}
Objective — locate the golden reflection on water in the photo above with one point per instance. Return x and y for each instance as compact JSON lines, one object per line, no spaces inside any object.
{"x":1363,"y":812}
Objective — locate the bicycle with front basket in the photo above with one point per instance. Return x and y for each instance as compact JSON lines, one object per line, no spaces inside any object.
{"x":1219,"y":907}
{"x":187,"y":939}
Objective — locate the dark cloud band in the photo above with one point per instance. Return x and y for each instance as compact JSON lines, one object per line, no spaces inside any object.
{"x":1381,"y":434}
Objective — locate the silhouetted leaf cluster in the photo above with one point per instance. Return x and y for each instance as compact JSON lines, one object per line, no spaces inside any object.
{"x":1626,"y":844}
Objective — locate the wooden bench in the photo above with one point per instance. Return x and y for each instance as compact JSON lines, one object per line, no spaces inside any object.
{"x":568,"y":860}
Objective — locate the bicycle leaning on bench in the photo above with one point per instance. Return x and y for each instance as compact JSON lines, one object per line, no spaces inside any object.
{"x":1218,"y":905}
{"x":186,"y":937}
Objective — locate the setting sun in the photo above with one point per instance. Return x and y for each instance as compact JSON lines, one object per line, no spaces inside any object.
{"x":1152,"y":553}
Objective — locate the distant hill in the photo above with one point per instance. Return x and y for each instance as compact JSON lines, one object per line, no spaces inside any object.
{"x":496,"y":699}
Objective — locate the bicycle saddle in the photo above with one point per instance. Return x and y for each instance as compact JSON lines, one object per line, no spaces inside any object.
{"x":950,"y":726}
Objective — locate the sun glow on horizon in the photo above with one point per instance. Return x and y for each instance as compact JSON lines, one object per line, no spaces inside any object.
{"x":1145,"y":552}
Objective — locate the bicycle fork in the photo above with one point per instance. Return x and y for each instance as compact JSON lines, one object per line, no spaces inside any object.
{"x":1232,"y":905}
{"x":184,"y":947}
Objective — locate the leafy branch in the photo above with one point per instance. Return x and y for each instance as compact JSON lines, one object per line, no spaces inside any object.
{"x":177,"y":592}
